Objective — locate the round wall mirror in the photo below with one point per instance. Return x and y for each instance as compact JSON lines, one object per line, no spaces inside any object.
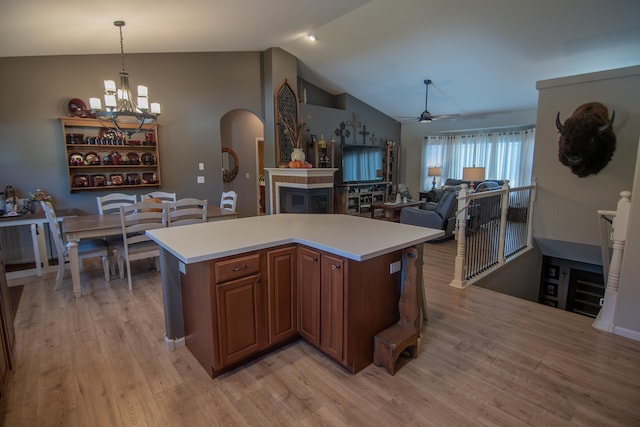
{"x":230,"y":164}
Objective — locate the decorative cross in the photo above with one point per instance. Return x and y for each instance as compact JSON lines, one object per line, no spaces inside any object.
{"x":364,"y":134}
{"x":355,"y":124}
{"x":342,"y":132}
{"x":373,"y":139}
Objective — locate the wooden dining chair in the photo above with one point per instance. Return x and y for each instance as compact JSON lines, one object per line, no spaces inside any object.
{"x":228,"y":200}
{"x":162,"y":195}
{"x":110,"y":204}
{"x":87,"y":248}
{"x":135,"y":220}
{"x":187,"y":211}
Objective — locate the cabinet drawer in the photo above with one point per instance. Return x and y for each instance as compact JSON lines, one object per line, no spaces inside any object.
{"x":236,"y":268}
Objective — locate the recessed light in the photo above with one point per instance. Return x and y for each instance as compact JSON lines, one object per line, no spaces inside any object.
{"x":311,"y":37}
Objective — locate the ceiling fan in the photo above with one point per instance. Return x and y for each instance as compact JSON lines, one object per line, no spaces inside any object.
{"x":426,"y":116}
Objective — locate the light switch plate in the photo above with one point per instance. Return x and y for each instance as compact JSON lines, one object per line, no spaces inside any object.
{"x":200,"y":179}
{"x":394,"y":267}
{"x":201,"y":166}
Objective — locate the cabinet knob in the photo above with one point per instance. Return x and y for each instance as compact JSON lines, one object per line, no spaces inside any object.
{"x":315,"y":259}
{"x":244,"y":267}
{"x":335,"y":266}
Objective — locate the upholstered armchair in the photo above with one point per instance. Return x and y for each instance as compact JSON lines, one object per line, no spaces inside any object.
{"x":441,"y":215}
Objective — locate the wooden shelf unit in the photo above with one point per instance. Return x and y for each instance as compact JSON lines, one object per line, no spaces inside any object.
{"x":356,"y":199}
{"x":392,"y":166}
{"x":323,"y":156}
{"x":148,"y":175}
{"x":571,"y":286}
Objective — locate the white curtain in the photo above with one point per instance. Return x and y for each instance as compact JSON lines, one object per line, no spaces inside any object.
{"x":504,"y":155}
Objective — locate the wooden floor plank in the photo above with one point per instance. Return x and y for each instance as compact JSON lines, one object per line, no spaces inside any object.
{"x":485,"y":359}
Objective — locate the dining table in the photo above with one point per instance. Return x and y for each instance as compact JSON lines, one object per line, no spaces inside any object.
{"x":81,"y":227}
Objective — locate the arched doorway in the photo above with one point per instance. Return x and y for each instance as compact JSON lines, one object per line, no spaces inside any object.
{"x":240,"y":130}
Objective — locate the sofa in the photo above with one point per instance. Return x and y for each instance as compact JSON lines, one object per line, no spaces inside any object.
{"x":441,"y":208}
{"x":486,"y":185}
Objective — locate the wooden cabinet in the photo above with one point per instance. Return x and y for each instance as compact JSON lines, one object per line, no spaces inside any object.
{"x":321,"y":301}
{"x":99,"y":159}
{"x":239,"y":307}
{"x":332,"y":305}
{"x":309,"y":295}
{"x":240,"y":319}
{"x":342,"y":303}
{"x":7,"y":335}
{"x":281,"y":289}
{"x":223,"y":310}
{"x":356,"y":199}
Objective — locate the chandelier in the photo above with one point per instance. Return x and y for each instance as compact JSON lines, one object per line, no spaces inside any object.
{"x":119,"y":102}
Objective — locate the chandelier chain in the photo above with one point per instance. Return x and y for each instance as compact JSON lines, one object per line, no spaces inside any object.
{"x":121,"y":48}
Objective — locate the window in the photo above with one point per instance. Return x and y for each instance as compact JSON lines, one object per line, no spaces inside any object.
{"x":504,"y":155}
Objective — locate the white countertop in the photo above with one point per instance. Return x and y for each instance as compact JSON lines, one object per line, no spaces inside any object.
{"x":352,"y":237}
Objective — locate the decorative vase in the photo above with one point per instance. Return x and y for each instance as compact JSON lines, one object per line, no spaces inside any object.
{"x":298,"y":154}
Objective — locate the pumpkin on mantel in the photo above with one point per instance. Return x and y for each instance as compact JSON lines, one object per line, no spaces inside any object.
{"x":295,"y":164}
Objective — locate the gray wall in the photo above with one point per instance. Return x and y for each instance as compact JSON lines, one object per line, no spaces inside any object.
{"x":196,"y":90}
{"x":566,"y":210}
{"x":627,"y":319}
{"x":322,"y":120}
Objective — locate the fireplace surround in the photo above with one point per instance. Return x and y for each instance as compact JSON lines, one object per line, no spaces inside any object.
{"x":300,"y":190}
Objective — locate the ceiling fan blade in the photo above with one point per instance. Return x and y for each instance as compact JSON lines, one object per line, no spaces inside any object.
{"x":451,"y":117}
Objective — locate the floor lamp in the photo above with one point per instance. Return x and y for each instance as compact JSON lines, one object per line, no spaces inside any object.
{"x":472,"y":174}
{"x":434,"y":171}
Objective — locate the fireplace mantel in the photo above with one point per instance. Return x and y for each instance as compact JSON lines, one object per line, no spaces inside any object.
{"x":296,"y":178}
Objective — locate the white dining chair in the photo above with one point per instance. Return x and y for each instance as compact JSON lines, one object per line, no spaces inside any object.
{"x":135,"y":219}
{"x":87,"y":248}
{"x":110,"y":203}
{"x":228,"y":200}
{"x":160,"y":195}
{"x":187,"y":211}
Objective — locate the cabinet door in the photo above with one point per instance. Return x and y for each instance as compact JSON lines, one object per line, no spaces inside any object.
{"x":239,"y":312}
{"x":309,"y":295}
{"x":281,"y":265}
{"x":332,"y":306}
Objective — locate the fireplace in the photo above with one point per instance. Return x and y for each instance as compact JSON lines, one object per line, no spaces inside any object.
{"x":306,"y":200}
{"x":300,"y":190}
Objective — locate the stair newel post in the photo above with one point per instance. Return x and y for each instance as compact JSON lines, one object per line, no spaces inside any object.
{"x":532,"y":203}
{"x":504,"y":209}
{"x":604,"y":321}
{"x":461,"y":232}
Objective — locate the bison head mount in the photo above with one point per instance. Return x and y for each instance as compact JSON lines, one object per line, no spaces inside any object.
{"x":587,"y":141}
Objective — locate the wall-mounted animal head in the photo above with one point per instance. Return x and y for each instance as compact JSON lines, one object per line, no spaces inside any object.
{"x":587,"y":141}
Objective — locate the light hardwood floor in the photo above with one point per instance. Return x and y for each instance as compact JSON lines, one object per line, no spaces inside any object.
{"x":485,"y":359}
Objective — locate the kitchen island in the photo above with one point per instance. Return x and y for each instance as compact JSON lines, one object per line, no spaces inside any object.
{"x":235,"y":289}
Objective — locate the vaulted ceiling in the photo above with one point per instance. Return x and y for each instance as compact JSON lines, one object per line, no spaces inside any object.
{"x":484,"y":57}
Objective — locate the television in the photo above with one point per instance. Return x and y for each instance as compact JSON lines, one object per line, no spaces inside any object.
{"x":362,"y":163}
